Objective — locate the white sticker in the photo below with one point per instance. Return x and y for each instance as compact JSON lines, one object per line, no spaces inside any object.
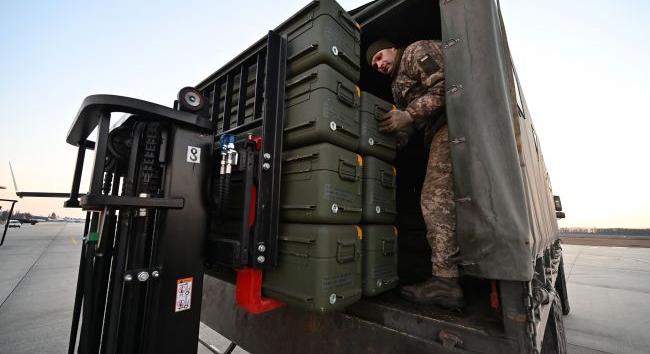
{"x":193,"y":154}
{"x":183,"y":294}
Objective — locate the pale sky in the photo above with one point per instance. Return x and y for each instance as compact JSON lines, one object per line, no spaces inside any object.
{"x":584,"y":66}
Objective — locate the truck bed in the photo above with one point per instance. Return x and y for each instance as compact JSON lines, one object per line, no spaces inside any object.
{"x":383,"y":324}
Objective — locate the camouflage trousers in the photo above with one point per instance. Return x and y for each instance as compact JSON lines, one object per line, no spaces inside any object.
{"x":438,"y":209}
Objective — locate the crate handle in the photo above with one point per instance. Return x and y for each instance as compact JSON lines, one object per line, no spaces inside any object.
{"x":386,"y":179}
{"x":303,"y":52}
{"x":302,"y":79}
{"x":307,"y":241}
{"x":345,"y":94}
{"x":300,"y":126}
{"x":343,"y":209}
{"x":301,"y":157}
{"x":388,"y":247}
{"x":297,"y":254}
{"x":346,"y":58}
{"x":298,"y":207}
{"x":339,"y":252}
{"x":350,"y":173}
{"x":380,"y":112}
{"x":335,"y":127}
{"x":383,"y":144}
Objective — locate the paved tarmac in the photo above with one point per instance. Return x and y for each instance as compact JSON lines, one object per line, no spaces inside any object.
{"x":609,"y":291}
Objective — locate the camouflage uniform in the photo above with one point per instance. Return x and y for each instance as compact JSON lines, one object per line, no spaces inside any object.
{"x":419,"y":88}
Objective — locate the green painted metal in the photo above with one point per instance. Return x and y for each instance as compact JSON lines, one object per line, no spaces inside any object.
{"x":379,"y":245}
{"x":322,"y":32}
{"x":321,"y":184}
{"x":93,"y":236}
{"x":371,"y":141}
{"x":319,"y":267}
{"x":321,"y":106}
{"x":379,"y":187}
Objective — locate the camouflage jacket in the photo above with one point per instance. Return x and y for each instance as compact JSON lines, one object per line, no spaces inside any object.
{"x":419,"y":85}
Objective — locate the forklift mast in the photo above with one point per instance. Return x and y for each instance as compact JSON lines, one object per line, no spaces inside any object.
{"x":160,"y":184}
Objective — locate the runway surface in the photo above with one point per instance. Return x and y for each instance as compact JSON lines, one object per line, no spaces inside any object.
{"x":609,"y":290}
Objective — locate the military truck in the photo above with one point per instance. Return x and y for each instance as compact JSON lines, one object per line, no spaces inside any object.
{"x":513,"y":275}
{"x":266,"y":204}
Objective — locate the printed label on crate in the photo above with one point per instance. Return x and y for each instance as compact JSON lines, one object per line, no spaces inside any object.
{"x":183,"y":294}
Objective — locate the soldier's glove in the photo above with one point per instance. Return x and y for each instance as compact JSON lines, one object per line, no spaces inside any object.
{"x":395,"y":120}
{"x":403,"y":137}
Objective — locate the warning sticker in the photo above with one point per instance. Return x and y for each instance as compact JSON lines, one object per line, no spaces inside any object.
{"x":183,"y":294}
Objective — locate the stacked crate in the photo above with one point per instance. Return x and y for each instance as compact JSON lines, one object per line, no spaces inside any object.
{"x":379,"y":200}
{"x":336,"y":239}
{"x":319,"y":265}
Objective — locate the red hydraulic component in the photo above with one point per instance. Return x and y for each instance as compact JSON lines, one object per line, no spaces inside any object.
{"x":251,"y":217}
{"x":258,"y":141}
{"x":494,"y":296}
{"x":258,"y":146}
{"x":249,"y":292}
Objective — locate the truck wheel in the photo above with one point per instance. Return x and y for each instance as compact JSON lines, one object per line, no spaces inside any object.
{"x":554,"y":334}
{"x":561,"y":288}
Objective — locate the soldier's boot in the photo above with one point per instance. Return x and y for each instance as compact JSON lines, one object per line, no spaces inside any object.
{"x":445,"y":292}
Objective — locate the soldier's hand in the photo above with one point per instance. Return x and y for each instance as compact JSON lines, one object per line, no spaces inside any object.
{"x":395,"y":120}
{"x":403,"y":137}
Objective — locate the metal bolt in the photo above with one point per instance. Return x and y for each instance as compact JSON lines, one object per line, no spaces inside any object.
{"x":143,"y":276}
{"x":261,"y":248}
{"x":143,"y":211}
{"x":267,"y":156}
{"x":128,"y":277}
{"x":261,"y":259}
{"x":266,"y":166}
{"x":155,"y":274}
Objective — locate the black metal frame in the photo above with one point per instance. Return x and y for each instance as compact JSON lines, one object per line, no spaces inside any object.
{"x":123,"y":317}
{"x":268,"y":113}
{"x":110,"y":245}
{"x":11,"y":211}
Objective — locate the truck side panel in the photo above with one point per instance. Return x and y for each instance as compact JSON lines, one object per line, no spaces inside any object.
{"x":503,"y":203}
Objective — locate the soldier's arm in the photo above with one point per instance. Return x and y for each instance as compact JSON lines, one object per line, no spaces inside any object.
{"x":425,"y":64}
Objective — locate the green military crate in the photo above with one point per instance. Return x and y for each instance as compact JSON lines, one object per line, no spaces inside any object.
{"x":321,"y":106}
{"x":372,"y":142}
{"x":319,"y":266}
{"x":321,"y":184}
{"x":322,"y":32}
{"x":379,"y":259}
{"x":379,"y":186}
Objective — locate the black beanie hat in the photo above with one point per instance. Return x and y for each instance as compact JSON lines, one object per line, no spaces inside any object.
{"x":375,"y":47}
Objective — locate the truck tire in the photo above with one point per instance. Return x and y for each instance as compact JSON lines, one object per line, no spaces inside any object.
{"x":561,"y":288}
{"x":554,"y":334}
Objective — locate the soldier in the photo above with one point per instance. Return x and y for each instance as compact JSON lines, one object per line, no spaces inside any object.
{"x":418,"y":86}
